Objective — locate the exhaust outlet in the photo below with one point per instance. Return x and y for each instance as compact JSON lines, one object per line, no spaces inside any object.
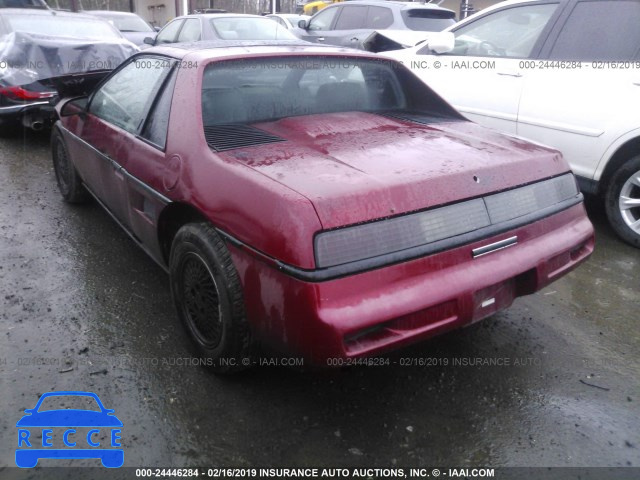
{"x":34,"y":123}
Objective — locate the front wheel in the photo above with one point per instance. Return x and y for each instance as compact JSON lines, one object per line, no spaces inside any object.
{"x":622,"y":200}
{"x":208,"y":296}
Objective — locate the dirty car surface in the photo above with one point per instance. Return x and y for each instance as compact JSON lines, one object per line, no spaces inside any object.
{"x":318,"y":201}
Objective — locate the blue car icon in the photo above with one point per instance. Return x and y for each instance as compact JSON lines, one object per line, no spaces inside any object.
{"x":41,"y":417}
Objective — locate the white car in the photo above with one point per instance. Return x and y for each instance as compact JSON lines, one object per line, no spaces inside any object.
{"x":565,"y":73}
{"x":288,"y":20}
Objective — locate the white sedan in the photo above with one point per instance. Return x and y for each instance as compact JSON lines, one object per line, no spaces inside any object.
{"x":553,"y":72}
{"x":288,"y":20}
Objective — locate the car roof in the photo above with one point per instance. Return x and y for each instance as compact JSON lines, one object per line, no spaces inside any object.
{"x":43,"y":12}
{"x":220,"y":15}
{"x":494,"y":7}
{"x":517,"y":2}
{"x":224,"y":49}
{"x":109,"y":13}
{"x":508,"y":2}
{"x":401,"y":5}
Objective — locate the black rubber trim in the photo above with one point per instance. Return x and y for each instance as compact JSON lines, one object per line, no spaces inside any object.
{"x":360,"y":266}
{"x":587,"y":185}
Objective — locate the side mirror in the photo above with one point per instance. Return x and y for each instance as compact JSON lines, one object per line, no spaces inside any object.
{"x":149,"y":40}
{"x":73,"y":106}
{"x":441,"y":42}
{"x":303,"y":24}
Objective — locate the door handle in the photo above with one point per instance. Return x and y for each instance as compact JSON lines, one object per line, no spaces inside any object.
{"x":354,"y":39}
{"x":510,"y":74}
{"x":320,"y":39}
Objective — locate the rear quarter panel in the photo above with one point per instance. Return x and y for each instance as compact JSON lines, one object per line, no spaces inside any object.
{"x":246,"y":204}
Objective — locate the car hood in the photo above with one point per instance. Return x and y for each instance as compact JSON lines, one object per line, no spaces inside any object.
{"x":29,"y":57}
{"x":69,"y":418}
{"x":356,"y":167}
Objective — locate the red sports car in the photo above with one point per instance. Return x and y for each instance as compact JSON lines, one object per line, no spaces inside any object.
{"x":319,"y":201}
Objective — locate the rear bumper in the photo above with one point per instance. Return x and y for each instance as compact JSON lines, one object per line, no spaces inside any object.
{"x":15,"y":113}
{"x":387,"y":308}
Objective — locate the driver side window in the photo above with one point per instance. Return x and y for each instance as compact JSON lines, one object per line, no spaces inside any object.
{"x":323,"y":20}
{"x":126,"y":97}
{"x":169,"y":32}
{"x":511,"y":32}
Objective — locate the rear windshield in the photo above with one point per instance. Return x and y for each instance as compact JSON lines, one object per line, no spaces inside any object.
{"x":62,"y":26}
{"x":247,"y":91}
{"x":128,"y":23}
{"x":250,"y":28}
{"x":428,"y":20}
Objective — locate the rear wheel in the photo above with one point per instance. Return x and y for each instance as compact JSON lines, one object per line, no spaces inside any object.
{"x":69,"y":182}
{"x":208,"y":297}
{"x":622,"y":201}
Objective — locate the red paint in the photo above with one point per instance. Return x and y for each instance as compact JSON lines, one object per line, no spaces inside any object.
{"x":335,"y":170}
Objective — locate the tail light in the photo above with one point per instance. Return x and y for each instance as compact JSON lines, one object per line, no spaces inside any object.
{"x":20,"y":93}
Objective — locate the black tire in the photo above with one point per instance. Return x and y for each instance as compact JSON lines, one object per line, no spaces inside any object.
{"x":208,"y":296}
{"x":69,"y":182}
{"x":625,"y":219}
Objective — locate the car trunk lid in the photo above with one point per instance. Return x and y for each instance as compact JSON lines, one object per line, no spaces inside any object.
{"x":356,"y":167}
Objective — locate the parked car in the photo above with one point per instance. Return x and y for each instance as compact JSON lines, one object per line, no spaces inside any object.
{"x":320,"y":201}
{"x":359,"y":23}
{"x":556,"y":73}
{"x":287,"y":20}
{"x":40,"y":49}
{"x":132,"y":27}
{"x":210,"y":10}
{"x":221,"y":26}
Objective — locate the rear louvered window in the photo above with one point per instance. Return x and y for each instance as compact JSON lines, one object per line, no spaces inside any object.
{"x":228,"y":137}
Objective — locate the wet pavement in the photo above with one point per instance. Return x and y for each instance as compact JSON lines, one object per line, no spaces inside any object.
{"x":553,"y":381}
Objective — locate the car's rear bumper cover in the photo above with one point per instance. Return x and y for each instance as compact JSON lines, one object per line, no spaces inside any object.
{"x":15,"y":113}
{"x":372,"y":312}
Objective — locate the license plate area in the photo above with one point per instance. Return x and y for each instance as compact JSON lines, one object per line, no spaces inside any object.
{"x":489,"y":300}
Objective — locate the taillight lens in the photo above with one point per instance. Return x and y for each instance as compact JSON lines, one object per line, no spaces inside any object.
{"x":382,"y":237}
{"x":20,"y":93}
